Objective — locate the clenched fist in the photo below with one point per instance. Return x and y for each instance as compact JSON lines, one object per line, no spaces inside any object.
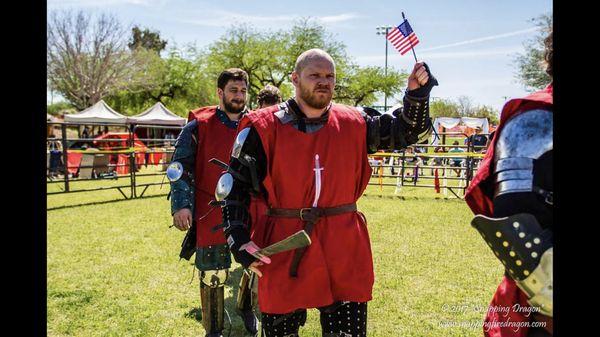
{"x":418,"y":77}
{"x":182,"y":219}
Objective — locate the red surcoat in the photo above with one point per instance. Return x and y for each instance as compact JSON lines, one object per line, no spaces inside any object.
{"x":479,"y":197}
{"x":338,"y":265}
{"x":215,"y":140}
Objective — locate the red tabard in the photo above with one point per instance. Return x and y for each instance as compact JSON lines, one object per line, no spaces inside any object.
{"x":479,"y":197}
{"x":338,"y":265}
{"x":215,"y":140}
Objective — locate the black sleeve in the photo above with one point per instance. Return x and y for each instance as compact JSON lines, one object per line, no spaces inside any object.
{"x":403,"y":128}
{"x":236,"y":217}
{"x":409,"y":124}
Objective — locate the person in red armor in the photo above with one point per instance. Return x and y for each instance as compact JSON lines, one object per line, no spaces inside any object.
{"x":308,"y":158}
{"x":210,"y":133}
{"x":512,"y":198}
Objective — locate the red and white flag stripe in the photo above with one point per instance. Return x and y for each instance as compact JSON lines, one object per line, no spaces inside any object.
{"x":402,"y":43}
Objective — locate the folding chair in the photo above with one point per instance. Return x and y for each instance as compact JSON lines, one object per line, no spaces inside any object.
{"x":86,"y":160}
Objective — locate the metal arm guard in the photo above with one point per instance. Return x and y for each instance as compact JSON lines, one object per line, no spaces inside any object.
{"x":233,"y":190}
{"x":181,"y":170}
{"x":524,"y":138}
{"x":525,"y":249}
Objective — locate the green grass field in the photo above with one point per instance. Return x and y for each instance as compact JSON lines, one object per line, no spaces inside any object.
{"x":113,"y":267}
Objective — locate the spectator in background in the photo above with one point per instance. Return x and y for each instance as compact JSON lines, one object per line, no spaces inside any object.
{"x":456,"y":161}
{"x":269,"y":95}
{"x":86,"y":132}
{"x":169,"y":139}
{"x":438,"y":161}
{"x":55,"y":150}
{"x":478,"y":141}
{"x":105,"y":130}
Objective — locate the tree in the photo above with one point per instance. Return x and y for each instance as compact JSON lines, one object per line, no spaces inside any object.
{"x":179,"y":81}
{"x":465,"y":106}
{"x":443,"y":108}
{"x":146,"y":39}
{"x":359,"y":85}
{"x":530,"y":65}
{"x":86,"y":60}
{"x":270,"y":57}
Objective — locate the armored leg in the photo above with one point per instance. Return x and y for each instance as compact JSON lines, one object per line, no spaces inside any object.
{"x":244,"y":303}
{"x":212,"y":296}
{"x":344,"y":319}
{"x":282,"y":325}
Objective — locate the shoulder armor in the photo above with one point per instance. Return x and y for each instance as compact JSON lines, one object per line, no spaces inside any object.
{"x":523,"y":139}
{"x":239,"y":142}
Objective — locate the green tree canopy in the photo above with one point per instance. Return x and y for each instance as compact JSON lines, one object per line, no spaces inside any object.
{"x":462,"y":107}
{"x":146,"y":39}
{"x":269,"y":58}
{"x":531,"y":68}
{"x":179,"y":81}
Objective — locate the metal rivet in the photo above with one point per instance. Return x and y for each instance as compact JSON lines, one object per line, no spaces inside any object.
{"x":512,"y":254}
{"x":525,"y":272}
{"x":536,"y":241}
{"x":515,"y":224}
{"x":521,"y":235}
{"x":498,"y":234}
{"x":534,"y":255}
{"x":505,"y":244}
{"x":518,"y":262}
{"x":528,"y":244}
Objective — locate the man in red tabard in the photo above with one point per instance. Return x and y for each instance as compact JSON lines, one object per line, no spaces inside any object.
{"x":308,"y":158}
{"x":210,"y":133}
{"x":512,"y":198}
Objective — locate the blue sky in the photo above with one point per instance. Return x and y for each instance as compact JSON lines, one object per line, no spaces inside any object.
{"x":469,"y":45}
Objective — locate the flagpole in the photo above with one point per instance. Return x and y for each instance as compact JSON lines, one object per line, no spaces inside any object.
{"x":411,"y":45}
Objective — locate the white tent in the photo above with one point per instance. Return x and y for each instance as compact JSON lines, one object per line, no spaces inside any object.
{"x":158,"y":114}
{"x":450,"y":122}
{"x":97,"y":113}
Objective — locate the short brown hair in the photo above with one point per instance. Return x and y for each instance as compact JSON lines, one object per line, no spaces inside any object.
{"x":231,"y":74}
{"x":269,"y":95}
{"x":549,"y":50}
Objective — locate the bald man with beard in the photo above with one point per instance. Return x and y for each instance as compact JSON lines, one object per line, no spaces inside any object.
{"x":308,"y":158}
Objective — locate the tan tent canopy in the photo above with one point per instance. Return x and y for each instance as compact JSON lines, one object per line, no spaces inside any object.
{"x":158,"y":114}
{"x":97,"y":113}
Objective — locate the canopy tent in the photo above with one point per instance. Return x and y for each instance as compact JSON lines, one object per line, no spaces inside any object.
{"x":451,"y":122}
{"x":97,"y":113}
{"x":158,"y":114}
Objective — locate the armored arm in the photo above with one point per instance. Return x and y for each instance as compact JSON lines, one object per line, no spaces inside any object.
{"x":181,"y":170}
{"x":246,"y":170}
{"x":407,"y":125}
{"x":520,"y":233}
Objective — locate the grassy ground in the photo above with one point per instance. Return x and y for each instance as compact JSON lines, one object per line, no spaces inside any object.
{"x":113,"y":268}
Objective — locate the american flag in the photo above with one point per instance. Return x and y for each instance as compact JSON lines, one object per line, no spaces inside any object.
{"x":402,"y":37}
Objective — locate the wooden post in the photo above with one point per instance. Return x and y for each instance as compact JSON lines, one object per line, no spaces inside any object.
{"x":63,"y":129}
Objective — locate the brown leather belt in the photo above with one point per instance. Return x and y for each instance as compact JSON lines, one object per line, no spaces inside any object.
{"x":310,"y":216}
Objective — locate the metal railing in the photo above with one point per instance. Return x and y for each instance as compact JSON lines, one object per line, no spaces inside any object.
{"x":116,"y":148}
{"x":404,"y":161}
{"x":417,"y":162}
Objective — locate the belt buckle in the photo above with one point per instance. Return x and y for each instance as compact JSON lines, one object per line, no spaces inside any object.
{"x":302,"y":213}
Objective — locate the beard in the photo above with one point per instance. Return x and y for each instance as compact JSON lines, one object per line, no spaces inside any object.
{"x":238,"y":108}
{"x":316,"y":100}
